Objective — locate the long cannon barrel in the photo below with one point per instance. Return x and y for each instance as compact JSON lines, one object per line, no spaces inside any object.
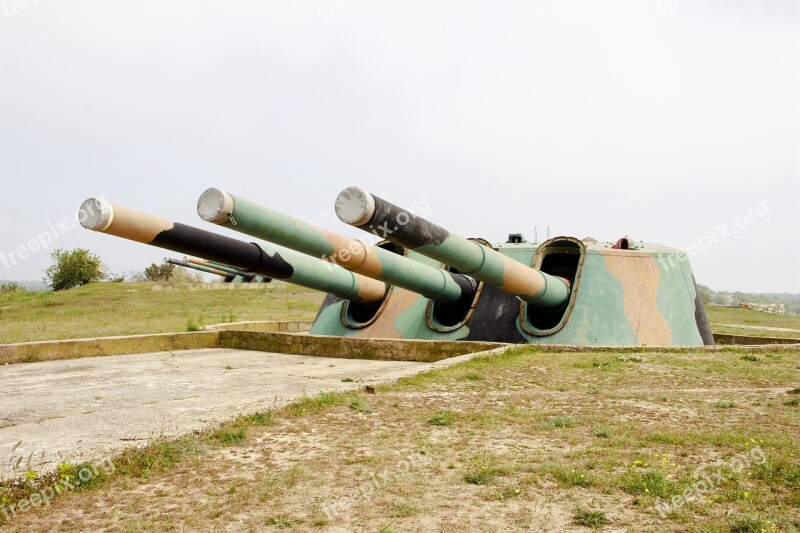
{"x":99,"y":215}
{"x":247,"y":276}
{"x":240,"y":214}
{"x":200,"y":268}
{"x":370,"y":213}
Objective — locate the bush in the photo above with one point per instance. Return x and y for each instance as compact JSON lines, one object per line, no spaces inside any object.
{"x":10,"y":287}
{"x":162,"y":272}
{"x":73,"y":269}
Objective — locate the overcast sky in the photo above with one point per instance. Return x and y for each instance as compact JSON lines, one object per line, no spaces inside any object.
{"x":671,"y":121}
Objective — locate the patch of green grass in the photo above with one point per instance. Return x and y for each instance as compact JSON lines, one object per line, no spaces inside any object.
{"x":724,"y":404}
{"x":749,"y":523}
{"x":602,"y":432}
{"x":568,"y":476}
{"x":794,"y":391}
{"x":347,"y":380}
{"x":282,"y":522}
{"x":150,"y":307}
{"x":360,"y":405}
{"x":783,"y":471}
{"x":629,"y":359}
{"x":442,"y":418}
{"x":481,"y":475}
{"x":193,"y":325}
{"x":472,"y":376}
{"x":157,"y":456}
{"x":751,"y":358}
{"x":648,"y":482}
{"x":261,"y":418}
{"x":587,"y":518}
{"x":227,"y":318}
{"x":228,"y":435}
{"x":403,"y":510}
{"x":315,"y":404}
{"x":562,"y":422}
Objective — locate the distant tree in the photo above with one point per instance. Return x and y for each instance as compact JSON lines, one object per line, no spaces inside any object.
{"x":184,"y":275}
{"x":11,"y":287}
{"x":163,"y":272}
{"x":73,"y":268}
{"x":706,"y":294}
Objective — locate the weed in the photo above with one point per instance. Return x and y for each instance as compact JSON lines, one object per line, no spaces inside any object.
{"x":602,"y":432}
{"x":307,"y":404}
{"x":442,"y":418}
{"x":283,"y":522}
{"x":648,"y":482}
{"x":358,"y":404}
{"x":587,"y":518}
{"x":749,"y":523}
{"x":561,"y":422}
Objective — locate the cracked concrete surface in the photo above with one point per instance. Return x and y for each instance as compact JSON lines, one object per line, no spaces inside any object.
{"x":84,"y":409}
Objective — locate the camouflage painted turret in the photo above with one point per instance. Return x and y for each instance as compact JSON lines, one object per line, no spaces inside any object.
{"x":562,"y":291}
{"x":425,"y":282}
{"x":99,"y":215}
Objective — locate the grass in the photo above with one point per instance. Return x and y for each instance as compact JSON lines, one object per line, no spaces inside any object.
{"x":522,"y":447}
{"x":587,"y":518}
{"x":93,"y":310}
{"x":480,"y":475}
{"x":562,"y":422}
{"x":360,"y":404}
{"x":442,"y":418}
{"x":602,"y":433}
{"x":718,"y":315}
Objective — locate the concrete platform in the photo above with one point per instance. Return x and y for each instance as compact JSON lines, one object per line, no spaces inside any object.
{"x":84,"y":409}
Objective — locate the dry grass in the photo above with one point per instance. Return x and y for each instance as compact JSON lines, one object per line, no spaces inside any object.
{"x":94,"y":310}
{"x":747,"y":317}
{"x":527,"y":440}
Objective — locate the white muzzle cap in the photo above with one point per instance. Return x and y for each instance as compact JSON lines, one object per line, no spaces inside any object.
{"x":215,"y":206}
{"x":355,"y":206}
{"x":96,"y":214}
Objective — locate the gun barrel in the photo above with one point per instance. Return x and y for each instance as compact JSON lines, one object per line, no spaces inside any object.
{"x":220,"y":267}
{"x":370,"y":213}
{"x":242,"y":215}
{"x":200,"y":268}
{"x":99,"y":215}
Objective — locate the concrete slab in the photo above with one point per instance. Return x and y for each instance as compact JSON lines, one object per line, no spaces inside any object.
{"x":85,"y":409}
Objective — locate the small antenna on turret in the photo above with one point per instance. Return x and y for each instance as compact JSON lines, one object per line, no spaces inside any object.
{"x":535,"y":235}
{"x":548,"y":233}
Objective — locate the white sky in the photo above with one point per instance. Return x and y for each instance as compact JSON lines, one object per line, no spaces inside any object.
{"x":662,"y":119}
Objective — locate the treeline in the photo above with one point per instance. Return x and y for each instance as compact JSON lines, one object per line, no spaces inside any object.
{"x":712,"y":297}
